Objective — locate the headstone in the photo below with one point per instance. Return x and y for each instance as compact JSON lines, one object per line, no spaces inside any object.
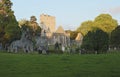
{"x":0,"y":46}
{"x":63,"y":48}
{"x":44,"y":52}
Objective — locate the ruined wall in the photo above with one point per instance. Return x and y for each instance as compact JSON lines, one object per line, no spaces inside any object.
{"x":49,"y":21}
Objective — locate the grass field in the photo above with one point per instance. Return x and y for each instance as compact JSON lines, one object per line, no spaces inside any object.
{"x":63,"y":65}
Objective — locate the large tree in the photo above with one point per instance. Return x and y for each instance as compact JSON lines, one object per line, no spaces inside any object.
{"x":9,"y":29}
{"x":105,"y":22}
{"x":96,"y":41}
{"x":85,"y":27}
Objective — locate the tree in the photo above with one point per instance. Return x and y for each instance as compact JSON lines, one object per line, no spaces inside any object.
{"x":9,"y":29}
{"x":105,"y":22}
{"x":85,"y":27}
{"x":115,"y":38}
{"x":96,"y":41}
{"x":33,"y":19}
{"x":22,"y":22}
{"x":88,"y":41}
{"x":73,"y":35}
{"x":31,"y":27}
{"x":31,"y":24}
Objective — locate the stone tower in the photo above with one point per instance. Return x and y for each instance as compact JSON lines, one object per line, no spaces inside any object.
{"x":49,"y":21}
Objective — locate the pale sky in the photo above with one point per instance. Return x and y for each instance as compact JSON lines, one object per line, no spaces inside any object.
{"x":69,"y":13}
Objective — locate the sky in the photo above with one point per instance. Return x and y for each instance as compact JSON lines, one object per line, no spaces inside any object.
{"x":69,"y":13}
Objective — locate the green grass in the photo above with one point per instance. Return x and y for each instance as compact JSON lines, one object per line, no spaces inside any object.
{"x":63,"y":65}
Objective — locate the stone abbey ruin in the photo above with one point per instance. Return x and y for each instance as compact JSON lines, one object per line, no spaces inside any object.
{"x":49,"y":36}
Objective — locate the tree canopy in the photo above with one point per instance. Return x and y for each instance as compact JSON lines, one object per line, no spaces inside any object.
{"x":31,"y":24}
{"x":9,"y":29}
{"x":115,"y":37}
{"x":85,"y":27}
{"x":96,"y":41}
{"x":104,"y":22}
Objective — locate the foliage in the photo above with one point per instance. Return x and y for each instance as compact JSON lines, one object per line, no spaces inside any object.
{"x":38,"y":30}
{"x":33,"y":19}
{"x":86,"y":27}
{"x":115,"y":37}
{"x":22,"y":22}
{"x":104,"y":22}
{"x":32,"y":25}
{"x":5,"y":7}
{"x":73,"y":35}
{"x":88,"y":41}
{"x":96,"y":40}
{"x":9,"y":29}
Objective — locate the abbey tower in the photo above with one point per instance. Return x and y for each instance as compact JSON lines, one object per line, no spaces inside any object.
{"x":49,"y":21}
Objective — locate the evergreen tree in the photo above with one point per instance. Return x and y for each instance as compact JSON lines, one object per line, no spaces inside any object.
{"x":115,"y":38}
{"x":96,"y":41}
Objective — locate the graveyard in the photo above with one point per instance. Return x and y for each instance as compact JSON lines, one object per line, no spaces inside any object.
{"x":47,"y":46}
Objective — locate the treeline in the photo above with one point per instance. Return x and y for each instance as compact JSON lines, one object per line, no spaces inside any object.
{"x":100,"y":35}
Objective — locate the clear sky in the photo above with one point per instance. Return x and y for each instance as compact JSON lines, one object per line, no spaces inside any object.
{"x":69,"y":13}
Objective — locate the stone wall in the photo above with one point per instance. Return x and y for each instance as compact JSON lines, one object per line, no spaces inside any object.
{"x":49,"y":21}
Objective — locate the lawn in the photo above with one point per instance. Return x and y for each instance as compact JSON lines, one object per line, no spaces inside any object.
{"x":59,"y":65}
